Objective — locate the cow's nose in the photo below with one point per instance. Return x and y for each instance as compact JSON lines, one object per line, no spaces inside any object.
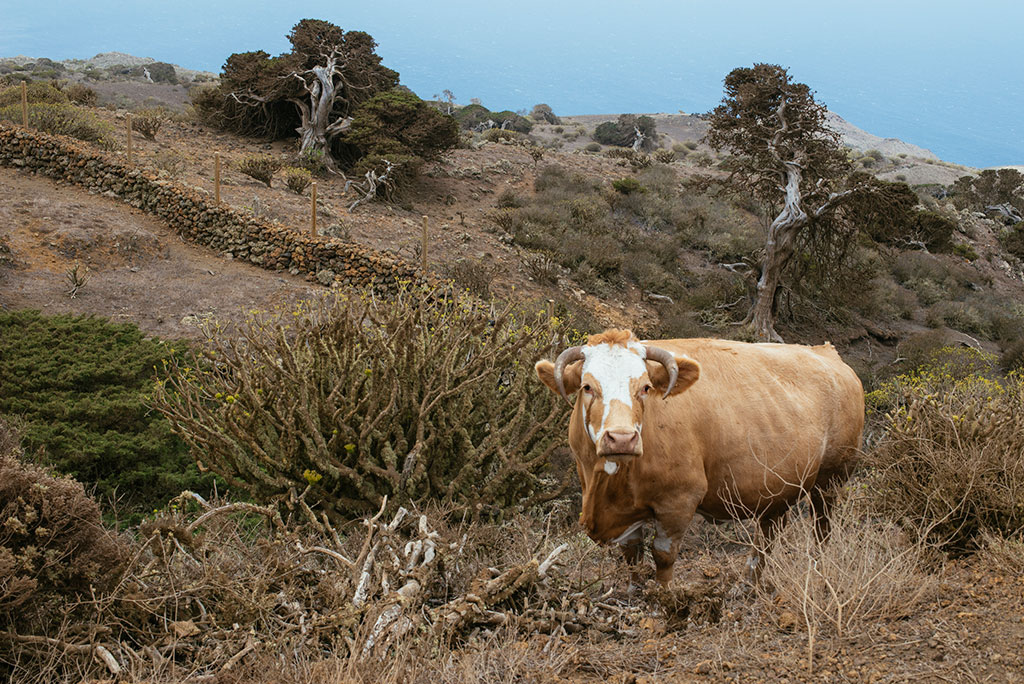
{"x":620,"y":442}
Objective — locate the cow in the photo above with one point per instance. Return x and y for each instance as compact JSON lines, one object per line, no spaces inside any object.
{"x":664,"y":430}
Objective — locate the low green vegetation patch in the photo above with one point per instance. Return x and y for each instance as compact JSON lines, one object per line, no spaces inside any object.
{"x":61,"y":118}
{"x":630,"y":232}
{"x":77,"y":388}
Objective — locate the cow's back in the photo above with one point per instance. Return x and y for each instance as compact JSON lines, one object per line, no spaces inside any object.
{"x":762,"y":422}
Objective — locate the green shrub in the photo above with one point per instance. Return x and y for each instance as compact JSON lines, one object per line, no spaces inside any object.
{"x":964,"y":250}
{"x":297,"y":179}
{"x":313,"y":161}
{"x":690,"y":145}
{"x":429,"y":395}
{"x":592,"y":147}
{"x":622,"y":132}
{"x":627,"y":185}
{"x":950,"y":463}
{"x":148,"y":122}
{"x":81,"y":94}
{"x":664,"y":156}
{"x":64,"y":119}
{"x":52,"y":544}
{"x":77,"y":386}
{"x":261,"y":167}
{"x":38,"y":92}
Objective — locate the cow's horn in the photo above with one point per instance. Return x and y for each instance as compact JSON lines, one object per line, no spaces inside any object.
{"x":666,"y":359}
{"x":564,"y":359}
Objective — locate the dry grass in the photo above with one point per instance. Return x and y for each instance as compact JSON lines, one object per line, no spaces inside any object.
{"x":866,"y":570}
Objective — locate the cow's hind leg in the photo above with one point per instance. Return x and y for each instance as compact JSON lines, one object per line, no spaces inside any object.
{"x":769,"y":524}
{"x":821,"y":500}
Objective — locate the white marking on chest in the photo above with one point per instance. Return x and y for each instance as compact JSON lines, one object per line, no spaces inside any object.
{"x":613,"y":366}
{"x":611,"y":467}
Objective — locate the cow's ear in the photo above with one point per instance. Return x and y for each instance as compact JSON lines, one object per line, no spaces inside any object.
{"x":570,"y":377}
{"x":689,"y":371}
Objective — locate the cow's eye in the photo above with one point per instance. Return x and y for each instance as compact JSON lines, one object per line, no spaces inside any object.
{"x":586,"y":388}
{"x":647,"y":388}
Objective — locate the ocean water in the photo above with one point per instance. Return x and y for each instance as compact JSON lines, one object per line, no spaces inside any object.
{"x":942,"y":74}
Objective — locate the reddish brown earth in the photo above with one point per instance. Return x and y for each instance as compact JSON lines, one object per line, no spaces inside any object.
{"x":970,"y":629}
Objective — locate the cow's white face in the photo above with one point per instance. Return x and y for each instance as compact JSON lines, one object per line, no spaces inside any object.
{"x":615,"y":375}
{"x":613,"y":386}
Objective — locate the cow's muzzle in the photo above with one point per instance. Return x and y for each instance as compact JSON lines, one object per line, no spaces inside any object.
{"x":614,"y":443}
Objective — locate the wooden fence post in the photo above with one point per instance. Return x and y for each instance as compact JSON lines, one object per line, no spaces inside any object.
{"x":24,"y":104}
{"x":216,"y":177}
{"x":423,"y":248}
{"x":128,"y":118}
{"x":313,"y":193}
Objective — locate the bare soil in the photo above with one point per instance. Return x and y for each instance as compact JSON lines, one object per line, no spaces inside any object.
{"x":136,"y":269}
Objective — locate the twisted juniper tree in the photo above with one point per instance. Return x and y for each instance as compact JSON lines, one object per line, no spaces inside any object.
{"x":784,"y":155}
{"x":315,"y":88}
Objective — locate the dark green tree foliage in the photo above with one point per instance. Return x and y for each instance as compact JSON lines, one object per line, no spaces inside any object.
{"x":622,"y":133}
{"x":544,"y":113}
{"x":887,"y":213}
{"x":400,"y":128}
{"x":785,"y":156}
{"x":475,"y":117}
{"x":471,"y":116}
{"x":991,"y":187}
{"x":77,"y":388}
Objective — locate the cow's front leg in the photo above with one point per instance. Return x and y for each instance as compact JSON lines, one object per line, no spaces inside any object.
{"x":633,"y":552}
{"x":669,"y":527}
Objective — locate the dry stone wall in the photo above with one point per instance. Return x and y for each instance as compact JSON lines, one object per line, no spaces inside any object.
{"x":196,"y":217}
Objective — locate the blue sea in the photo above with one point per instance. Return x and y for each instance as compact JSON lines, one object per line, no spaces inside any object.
{"x":941,"y":74}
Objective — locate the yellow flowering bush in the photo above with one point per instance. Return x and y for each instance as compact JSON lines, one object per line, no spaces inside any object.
{"x":952,"y":458}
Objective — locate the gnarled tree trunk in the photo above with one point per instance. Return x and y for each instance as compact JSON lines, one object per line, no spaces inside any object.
{"x":779,"y":249}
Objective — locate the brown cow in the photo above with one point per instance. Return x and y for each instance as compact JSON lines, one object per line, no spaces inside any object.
{"x":663,"y":430}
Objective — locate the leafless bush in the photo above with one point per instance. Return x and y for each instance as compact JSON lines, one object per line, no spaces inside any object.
{"x":171,"y":162}
{"x":76,"y":278}
{"x":261,"y":167}
{"x":148,"y":122}
{"x":865,"y":570}
{"x":475,"y":276}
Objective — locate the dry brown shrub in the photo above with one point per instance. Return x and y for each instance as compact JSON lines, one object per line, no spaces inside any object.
{"x":951,"y":462}
{"x":865,"y":570}
{"x":54,"y":552}
{"x":473,"y":275}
